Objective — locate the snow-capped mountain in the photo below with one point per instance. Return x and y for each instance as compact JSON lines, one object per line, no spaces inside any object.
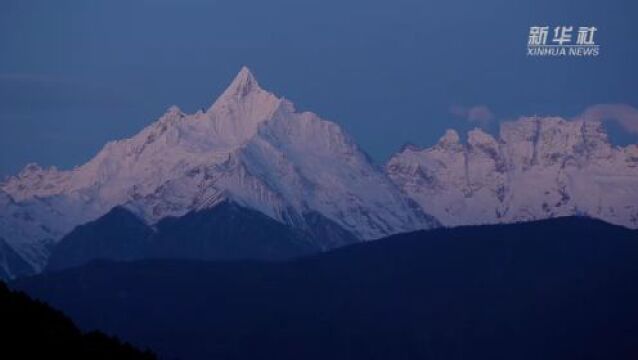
{"x":538,"y":168}
{"x":254,"y":150}
{"x":250,"y":147}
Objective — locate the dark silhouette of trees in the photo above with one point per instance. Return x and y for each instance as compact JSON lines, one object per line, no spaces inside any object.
{"x":31,"y":329}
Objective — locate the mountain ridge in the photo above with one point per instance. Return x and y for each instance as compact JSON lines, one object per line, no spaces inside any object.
{"x":250,"y":147}
{"x":253,"y":148}
{"x":536,"y":168}
{"x":224,"y":232}
{"x":558,"y":288}
{"x":34,"y":330}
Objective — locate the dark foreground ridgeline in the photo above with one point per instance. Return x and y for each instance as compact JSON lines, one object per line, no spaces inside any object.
{"x":555,"y":289}
{"x":225,"y":232}
{"x":30,"y":329}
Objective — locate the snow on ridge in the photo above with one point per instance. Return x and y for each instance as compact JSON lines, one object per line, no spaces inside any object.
{"x":536,"y":168}
{"x":250,"y":146}
{"x":253,"y":148}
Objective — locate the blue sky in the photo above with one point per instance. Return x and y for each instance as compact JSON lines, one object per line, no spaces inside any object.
{"x":75,"y":74}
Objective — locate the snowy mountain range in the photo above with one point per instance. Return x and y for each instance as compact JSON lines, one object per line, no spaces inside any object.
{"x":537,"y":168}
{"x":253,"y":149}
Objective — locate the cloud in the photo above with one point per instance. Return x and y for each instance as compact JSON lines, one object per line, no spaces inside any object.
{"x":458,"y":111}
{"x":480,"y":114}
{"x":625,"y":115}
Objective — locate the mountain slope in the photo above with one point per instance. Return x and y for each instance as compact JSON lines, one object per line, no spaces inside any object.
{"x":118,"y":235}
{"x":225,"y":232}
{"x":538,"y":168}
{"x":554,"y":289}
{"x":11,"y":264}
{"x":32,"y":330}
{"x":249,"y":147}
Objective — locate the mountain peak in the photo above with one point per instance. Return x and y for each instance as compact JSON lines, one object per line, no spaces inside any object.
{"x":237,"y":113}
{"x":409,"y":147}
{"x":244,"y":90}
{"x":243,"y":83}
{"x":477,"y":136}
{"x":450,"y":138}
{"x":31,"y":168}
{"x":174,"y":109}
